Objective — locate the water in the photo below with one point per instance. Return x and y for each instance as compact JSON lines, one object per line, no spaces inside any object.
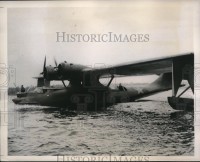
{"x":138,"y":128}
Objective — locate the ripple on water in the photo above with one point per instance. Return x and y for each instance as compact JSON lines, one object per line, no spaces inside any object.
{"x":48,"y":144}
{"x":148,"y":128}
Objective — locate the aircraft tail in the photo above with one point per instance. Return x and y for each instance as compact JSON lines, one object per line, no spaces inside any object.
{"x":163,"y":82}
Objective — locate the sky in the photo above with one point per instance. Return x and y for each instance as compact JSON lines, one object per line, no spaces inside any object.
{"x":32,"y":35}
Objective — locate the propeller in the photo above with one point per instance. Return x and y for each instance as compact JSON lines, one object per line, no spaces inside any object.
{"x":44,"y":66}
{"x":55,"y":62}
{"x":56,"y":67}
{"x":58,"y":74}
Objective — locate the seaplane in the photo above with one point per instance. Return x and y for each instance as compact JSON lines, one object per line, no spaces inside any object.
{"x":85,"y":92}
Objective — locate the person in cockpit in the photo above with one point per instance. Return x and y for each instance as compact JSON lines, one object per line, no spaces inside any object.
{"x":121,"y":88}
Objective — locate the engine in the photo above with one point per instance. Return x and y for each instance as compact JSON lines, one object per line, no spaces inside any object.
{"x":51,"y":73}
{"x":65,"y":71}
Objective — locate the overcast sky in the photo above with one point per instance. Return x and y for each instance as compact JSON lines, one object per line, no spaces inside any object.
{"x":32,"y":34}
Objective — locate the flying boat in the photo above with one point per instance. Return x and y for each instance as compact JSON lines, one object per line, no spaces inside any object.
{"x":85,"y":92}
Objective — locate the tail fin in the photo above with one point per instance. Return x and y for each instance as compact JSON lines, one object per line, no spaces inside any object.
{"x":163,"y":82}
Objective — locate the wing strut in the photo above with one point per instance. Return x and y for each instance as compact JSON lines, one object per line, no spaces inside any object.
{"x":177,"y":66}
{"x":111,"y":79}
{"x":183,"y":92}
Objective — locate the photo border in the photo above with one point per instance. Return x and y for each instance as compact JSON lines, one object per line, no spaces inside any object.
{"x":3,"y":85}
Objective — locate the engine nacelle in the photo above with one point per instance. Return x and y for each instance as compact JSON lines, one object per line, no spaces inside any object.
{"x":69,"y":71}
{"x":65,"y":71}
{"x":51,"y":73}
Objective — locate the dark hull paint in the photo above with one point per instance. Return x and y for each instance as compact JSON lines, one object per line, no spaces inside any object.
{"x":87,"y":100}
{"x":98,"y":98}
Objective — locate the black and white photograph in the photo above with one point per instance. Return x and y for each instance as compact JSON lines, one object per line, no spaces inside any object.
{"x":99,"y":80}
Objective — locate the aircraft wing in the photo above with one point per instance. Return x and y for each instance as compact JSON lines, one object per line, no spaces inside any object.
{"x":146,"y":67}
